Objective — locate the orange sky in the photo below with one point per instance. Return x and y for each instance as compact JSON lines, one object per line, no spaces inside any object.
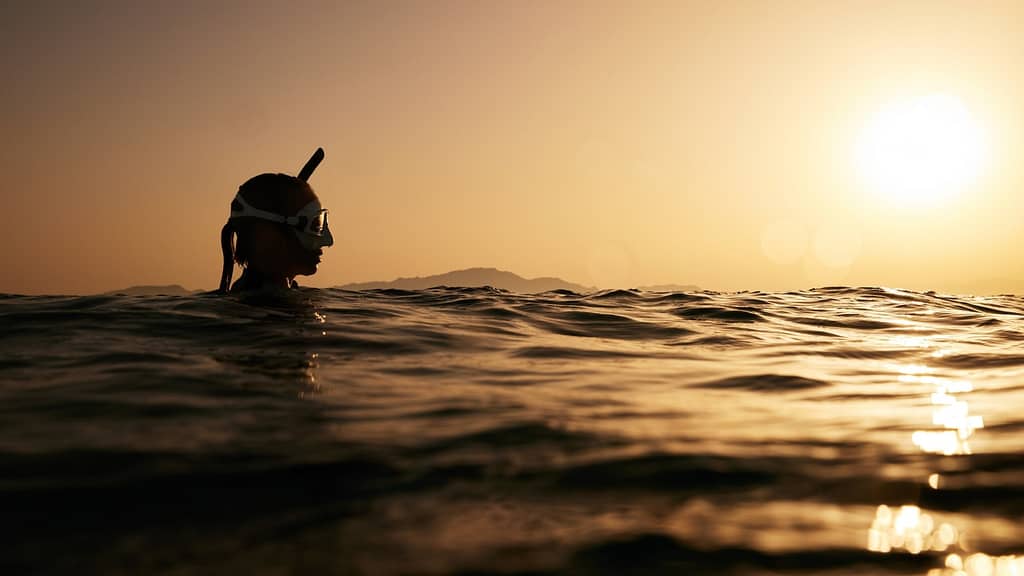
{"x":608,"y":143}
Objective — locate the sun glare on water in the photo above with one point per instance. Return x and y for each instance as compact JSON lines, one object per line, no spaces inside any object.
{"x":921,"y":150}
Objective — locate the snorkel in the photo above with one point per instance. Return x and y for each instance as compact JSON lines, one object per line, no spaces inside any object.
{"x":309,"y":224}
{"x":311,"y":164}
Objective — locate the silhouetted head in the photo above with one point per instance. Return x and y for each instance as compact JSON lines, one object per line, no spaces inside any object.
{"x":280,"y":230}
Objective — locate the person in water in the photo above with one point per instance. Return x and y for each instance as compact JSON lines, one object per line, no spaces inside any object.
{"x":277,"y":231}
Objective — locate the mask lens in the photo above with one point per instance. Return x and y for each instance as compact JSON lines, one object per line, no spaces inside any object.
{"x":317,"y":224}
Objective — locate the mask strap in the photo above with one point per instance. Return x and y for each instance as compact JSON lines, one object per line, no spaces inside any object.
{"x":249,"y":211}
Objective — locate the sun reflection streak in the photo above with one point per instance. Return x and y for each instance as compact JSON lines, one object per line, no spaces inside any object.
{"x":981,"y":565}
{"x":321,"y":319}
{"x":910,"y":529}
{"x":948,"y":411}
{"x":913,"y":370}
{"x":312,"y":368}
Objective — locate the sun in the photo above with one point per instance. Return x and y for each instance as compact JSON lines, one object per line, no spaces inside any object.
{"x":922,"y":150}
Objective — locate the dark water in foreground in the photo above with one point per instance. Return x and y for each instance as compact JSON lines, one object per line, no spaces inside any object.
{"x":469,"y":431}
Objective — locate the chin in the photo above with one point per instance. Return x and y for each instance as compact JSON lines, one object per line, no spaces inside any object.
{"x":306,"y":264}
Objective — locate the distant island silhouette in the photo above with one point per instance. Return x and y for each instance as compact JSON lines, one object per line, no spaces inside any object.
{"x":167,"y":290}
{"x":474,"y":277}
{"x":468,"y":278}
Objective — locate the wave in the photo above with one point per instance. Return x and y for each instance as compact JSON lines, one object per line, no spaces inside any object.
{"x":474,"y":430}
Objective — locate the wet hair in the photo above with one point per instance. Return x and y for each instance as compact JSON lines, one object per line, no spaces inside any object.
{"x":278,"y":193}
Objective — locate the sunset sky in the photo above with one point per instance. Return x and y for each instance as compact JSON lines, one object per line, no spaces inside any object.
{"x":609,"y":143}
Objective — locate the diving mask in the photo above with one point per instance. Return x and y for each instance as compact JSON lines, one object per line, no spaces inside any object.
{"x":309,"y":223}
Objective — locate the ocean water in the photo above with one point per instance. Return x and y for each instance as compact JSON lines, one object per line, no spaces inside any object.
{"x":476,"y":431}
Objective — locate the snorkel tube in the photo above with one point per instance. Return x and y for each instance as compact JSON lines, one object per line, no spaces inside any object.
{"x":227,"y":250}
{"x":311,"y":165}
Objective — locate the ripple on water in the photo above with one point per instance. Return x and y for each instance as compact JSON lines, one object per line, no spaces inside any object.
{"x":763,"y":383}
{"x":471,"y":430}
{"x":718,"y":313}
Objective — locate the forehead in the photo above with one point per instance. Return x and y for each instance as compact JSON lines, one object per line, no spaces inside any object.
{"x":299,"y":197}
{"x":311,"y":207}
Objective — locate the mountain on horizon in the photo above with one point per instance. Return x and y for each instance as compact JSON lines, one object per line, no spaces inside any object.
{"x":475,"y":277}
{"x":469,"y":278}
{"x":166,"y":290}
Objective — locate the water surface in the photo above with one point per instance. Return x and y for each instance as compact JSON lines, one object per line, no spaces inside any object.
{"x":471,"y":431}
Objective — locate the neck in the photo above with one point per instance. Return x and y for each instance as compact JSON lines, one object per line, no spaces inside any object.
{"x":253,"y":279}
